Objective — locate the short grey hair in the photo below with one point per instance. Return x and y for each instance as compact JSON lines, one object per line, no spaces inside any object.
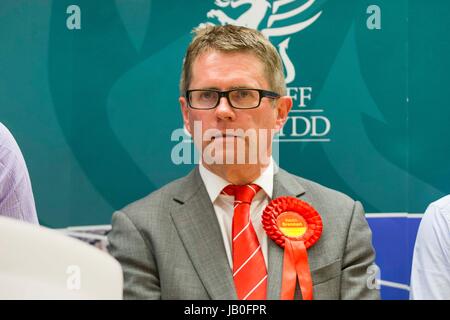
{"x":231,"y":38}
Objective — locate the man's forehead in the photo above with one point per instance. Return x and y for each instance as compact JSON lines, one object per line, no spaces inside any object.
{"x":241,"y":61}
{"x":228,"y":55}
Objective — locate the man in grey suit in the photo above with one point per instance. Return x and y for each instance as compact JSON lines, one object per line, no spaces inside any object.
{"x":193,"y":239}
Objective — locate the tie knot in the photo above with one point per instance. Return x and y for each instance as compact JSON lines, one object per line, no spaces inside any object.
{"x":243,"y":193}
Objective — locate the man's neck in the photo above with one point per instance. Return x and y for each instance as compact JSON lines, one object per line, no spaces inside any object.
{"x":240,"y":174}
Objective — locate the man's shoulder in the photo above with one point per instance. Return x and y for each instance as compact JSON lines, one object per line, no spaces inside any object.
{"x":438,"y":212}
{"x":161,"y":199}
{"x":8,"y":145}
{"x":332,"y":204}
{"x":442,"y":204}
{"x":317,"y":190}
{"x":11,"y":158}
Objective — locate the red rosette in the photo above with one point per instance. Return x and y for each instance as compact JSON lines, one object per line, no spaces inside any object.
{"x":295,"y":226}
{"x":290,"y":204}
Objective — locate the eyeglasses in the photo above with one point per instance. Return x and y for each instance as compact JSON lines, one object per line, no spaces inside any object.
{"x":205,"y":99}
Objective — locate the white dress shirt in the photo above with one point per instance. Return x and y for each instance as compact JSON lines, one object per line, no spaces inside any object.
{"x":430,"y":274}
{"x":224,"y":206}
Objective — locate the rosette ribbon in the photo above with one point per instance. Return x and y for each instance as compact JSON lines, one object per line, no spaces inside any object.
{"x":295,"y":226}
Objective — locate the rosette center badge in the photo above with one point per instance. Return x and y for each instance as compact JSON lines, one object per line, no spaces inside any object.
{"x":291,"y":224}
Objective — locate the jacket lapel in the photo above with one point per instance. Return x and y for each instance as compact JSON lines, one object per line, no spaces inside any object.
{"x":199,"y":230}
{"x":283,"y":185}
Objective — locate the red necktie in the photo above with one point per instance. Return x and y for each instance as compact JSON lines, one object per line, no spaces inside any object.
{"x":249,"y":268}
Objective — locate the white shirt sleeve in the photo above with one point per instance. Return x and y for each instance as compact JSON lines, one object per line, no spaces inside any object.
{"x":430,"y":274}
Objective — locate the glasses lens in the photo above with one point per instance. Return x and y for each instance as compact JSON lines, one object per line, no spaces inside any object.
{"x":244,"y":98}
{"x":203,"y":99}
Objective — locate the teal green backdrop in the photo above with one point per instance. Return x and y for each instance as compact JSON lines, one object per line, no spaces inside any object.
{"x":89,"y":88}
{"x":94,"y":108}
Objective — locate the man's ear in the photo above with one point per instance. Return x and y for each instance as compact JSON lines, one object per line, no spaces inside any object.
{"x":185,"y":112}
{"x":284,"y":105}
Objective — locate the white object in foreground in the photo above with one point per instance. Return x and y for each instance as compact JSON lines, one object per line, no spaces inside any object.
{"x":40,"y":263}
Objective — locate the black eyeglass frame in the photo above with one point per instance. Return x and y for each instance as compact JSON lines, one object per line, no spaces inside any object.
{"x":226,"y":94}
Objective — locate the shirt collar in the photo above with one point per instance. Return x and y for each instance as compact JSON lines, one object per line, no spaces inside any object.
{"x":215,"y":184}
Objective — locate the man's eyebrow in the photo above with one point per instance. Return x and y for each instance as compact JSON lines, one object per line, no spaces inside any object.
{"x":240,"y":87}
{"x":211,"y":88}
{"x":229,"y":88}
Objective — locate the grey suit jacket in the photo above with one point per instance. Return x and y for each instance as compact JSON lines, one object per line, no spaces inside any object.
{"x":170,"y":245}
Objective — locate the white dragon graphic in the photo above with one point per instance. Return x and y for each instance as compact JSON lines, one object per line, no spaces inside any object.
{"x":253,"y":17}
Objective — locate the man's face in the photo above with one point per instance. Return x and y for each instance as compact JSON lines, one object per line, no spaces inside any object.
{"x":226,"y":71}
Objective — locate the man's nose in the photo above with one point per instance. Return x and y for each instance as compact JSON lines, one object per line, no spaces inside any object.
{"x":224,"y":111}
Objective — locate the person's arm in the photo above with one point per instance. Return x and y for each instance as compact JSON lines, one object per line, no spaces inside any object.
{"x":16,"y":195}
{"x":359,"y":258}
{"x":430,"y":274}
{"x":129,"y":247}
